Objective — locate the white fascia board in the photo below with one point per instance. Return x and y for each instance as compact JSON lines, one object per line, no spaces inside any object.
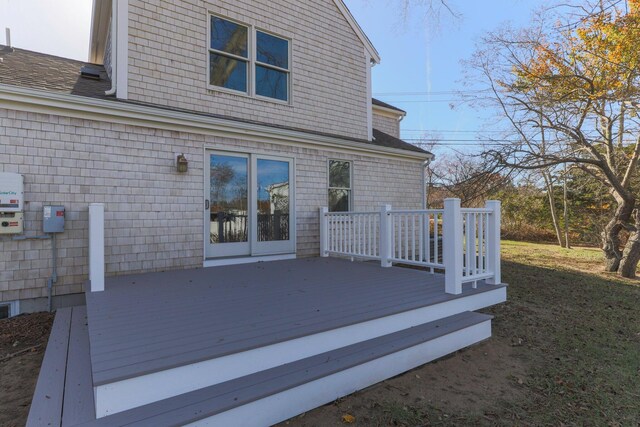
{"x":389,"y":112}
{"x":100,"y":17}
{"x":44,"y":102}
{"x":375,"y":56}
{"x":122,"y":50}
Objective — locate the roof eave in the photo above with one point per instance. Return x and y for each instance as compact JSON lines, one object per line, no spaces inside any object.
{"x":47,"y":102}
{"x":375,"y":56}
{"x":100,"y":18}
{"x":397,"y":113}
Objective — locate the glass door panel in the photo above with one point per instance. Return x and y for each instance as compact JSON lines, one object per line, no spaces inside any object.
{"x":273,"y":200}
{"x":273,"y":205}
{"x":228,"y":214}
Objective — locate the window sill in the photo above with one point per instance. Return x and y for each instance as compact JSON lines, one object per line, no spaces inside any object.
{"x":213,"y":90}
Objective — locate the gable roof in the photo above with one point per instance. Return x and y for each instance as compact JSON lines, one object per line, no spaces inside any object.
{"x":378,"y":103}
{"x":386,"y":140}
{"x":101,"y":15}
{"x":375,"y":56}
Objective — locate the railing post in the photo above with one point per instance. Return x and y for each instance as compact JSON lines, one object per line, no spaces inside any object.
{"x":96,"y":247}
{"x":385,"y":236}
{"x":324,"y":232}
{"x":452,"y":242}
{"x":493,"y":242}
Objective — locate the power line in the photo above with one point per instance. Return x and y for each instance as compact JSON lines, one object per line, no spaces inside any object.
{"x":426,"y":101}
{"x":451,"y":131}
{"x":436,"y":140}
{"x":442,"y":92}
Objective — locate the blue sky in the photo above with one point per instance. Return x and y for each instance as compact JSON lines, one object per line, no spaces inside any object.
{"x":420,"y":66}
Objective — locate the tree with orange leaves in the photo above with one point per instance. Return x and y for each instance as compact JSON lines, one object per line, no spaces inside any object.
{"x":568,"y":90}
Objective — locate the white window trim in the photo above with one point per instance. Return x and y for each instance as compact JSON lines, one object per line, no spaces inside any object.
{"x":251,"y":61}
{"x":350,"y":189}
{"x":248,"y":59}
{"x":272,"y":67}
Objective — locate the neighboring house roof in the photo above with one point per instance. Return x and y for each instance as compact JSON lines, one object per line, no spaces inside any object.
{"x":386,"y":140}
{"x":378,"y":103}
{"x":34,"y":70}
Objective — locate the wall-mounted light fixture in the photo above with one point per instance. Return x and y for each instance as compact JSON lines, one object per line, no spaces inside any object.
{"x":182,"y":164}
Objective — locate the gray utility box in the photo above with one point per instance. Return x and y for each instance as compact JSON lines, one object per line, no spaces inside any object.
{"x":53,"y":219}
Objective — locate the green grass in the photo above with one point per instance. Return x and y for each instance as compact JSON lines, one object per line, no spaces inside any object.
{"x":580,"y":331}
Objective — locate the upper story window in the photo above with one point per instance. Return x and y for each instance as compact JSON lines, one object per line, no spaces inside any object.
{"x":247,"y":60}
{"x":229,"y":55}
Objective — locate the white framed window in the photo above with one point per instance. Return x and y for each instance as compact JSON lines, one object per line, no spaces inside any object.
{"x":229,"y":55}
{"x":340,"y":184}
{"x":247,"y":60}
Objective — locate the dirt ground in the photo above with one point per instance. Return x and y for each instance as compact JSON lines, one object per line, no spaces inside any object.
{"x":472,"y":381}
{"x":23,"y":340}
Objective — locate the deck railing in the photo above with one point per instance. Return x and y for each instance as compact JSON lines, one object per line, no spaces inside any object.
{"x":465,"y":243}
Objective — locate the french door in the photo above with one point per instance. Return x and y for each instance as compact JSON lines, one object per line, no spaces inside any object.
{"x":249,"y":205}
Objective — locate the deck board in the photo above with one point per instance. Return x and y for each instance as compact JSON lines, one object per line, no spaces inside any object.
{"x":46,"y":405}
{"x":145,"y":323}
{"x":78,"y":389}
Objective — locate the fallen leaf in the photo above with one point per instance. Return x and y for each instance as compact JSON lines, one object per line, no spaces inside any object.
{"x":348,"y":418}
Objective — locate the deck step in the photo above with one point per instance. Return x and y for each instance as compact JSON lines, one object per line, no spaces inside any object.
{"x":187,"y":375}
{"x":279,"y":393}
{"x":64,"y":391}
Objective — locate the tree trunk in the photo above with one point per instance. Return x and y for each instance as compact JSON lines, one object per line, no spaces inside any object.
{"x":552,"y":206}
{"x":611,"y":234}
{"x":631,"y":254}
{"x":567,"y":243}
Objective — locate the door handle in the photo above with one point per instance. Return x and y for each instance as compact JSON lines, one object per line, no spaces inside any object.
{"x":206,"y":204}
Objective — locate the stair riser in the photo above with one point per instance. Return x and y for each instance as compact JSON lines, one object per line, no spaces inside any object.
{"x":282,"y":406}
{"x":130,"y":393}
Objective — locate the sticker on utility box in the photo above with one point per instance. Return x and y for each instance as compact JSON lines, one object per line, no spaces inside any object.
{"x":47,"y":212}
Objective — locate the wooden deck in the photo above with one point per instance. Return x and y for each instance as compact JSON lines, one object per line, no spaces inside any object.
{"x":64,"y":392}
{"x":153,"y":322}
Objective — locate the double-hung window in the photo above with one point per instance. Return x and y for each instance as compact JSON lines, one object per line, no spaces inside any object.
{"x":339,"y":186}
{"x":248,"y":60}
{"x":272,"y":66}
{"x":229,"y":55}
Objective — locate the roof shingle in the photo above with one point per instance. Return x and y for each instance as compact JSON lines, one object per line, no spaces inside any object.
{"x":35,"y":70}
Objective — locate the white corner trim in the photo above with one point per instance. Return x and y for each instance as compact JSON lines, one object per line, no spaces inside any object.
{"x":45,"y":102}
{"x":358,"y":30}
{"x":369,"y":96}
{"x":122,"y":51}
